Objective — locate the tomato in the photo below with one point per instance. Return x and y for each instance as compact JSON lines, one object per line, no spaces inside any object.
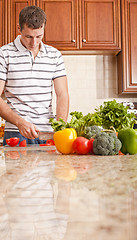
{"x":8,"y":141}
{"x":23,"y":143}
{"x":43,"y":144}
{"x":91,"y":144}
{"x":120,"y":153}
{"x":49,"y":142}
{"x":12,"y":142}
{"x":82,"y":145}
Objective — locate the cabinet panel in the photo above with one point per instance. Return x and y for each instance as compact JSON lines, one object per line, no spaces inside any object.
{"x":3,"y":28}
{"x":127,"y":59}
{"x":100,"y":24}
{"x":61,"y":28}
{"x":15,"y":7}
{"x":133,"y":41}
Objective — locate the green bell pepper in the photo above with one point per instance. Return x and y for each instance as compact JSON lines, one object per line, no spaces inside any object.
{"x":128,"y":138}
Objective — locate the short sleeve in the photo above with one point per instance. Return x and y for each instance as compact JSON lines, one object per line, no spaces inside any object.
{"x":60,"y":67}
{"x":3,"y":67}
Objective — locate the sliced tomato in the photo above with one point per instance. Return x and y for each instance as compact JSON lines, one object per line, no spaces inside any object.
{"x":49,"y":142}
{"x":12,"y":142}
{"x":8,"y":141}
{"x":120,"y":153}
{"x":23,"y":143}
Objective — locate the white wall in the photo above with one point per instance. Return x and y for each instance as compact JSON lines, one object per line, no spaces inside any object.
{"x":92,"y":80}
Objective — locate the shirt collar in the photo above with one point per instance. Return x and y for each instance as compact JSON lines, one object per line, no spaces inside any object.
{"x":22,"y":49}
{"x":19,"y":45}
{"x":43,"y":48}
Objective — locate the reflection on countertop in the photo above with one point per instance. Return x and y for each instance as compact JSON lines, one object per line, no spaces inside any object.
{"x":46,"y":195}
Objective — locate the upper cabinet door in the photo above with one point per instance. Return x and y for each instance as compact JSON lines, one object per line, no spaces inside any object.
{"x":3,"y":23}
{"x":127,"y":64}
{"x":100,"y":24}
{"x":61,"y":28}
{"x":15,"y":7}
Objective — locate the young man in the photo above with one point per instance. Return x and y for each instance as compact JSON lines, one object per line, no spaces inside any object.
{"x":28,"y":71}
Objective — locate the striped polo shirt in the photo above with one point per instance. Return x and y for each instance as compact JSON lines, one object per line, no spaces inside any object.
{"x":29,"y":82}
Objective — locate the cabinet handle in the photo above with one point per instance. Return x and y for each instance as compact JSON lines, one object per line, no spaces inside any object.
{"x":83,"y":40}
{"x":73,"y":40}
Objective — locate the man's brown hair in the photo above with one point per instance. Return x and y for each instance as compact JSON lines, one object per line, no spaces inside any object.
{"x":34,"y":17}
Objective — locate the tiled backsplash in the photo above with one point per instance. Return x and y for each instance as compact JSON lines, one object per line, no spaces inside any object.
{"x":91,"y":80}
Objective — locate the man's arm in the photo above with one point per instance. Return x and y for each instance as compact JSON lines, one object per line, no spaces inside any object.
{"x":27,"y":129}
{"x":62,"y":98}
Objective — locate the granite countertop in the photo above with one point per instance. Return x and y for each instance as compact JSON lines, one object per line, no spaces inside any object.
{"x":46,"y":195}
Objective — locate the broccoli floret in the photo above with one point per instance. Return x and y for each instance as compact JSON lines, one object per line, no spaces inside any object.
{"x":91,"y":131}
{"x":106,"y":144}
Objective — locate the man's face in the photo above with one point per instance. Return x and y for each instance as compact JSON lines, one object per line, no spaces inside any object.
{"x":31,"y":38}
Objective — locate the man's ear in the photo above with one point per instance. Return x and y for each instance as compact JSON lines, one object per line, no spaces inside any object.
{"x":18,"y":26}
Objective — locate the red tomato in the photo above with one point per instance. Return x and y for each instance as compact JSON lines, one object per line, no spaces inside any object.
{"x":82,"y":145}
{"x":43,"y":144}
{"x":8,"y":141}
{"x":49,"y":142}
{"x":120,"y":153}
{"x":12,"y":142}
{"x":23,"y":143}
{"x":91,"y":144}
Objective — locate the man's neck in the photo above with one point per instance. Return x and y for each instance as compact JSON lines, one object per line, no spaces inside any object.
{"x":35,"y":52}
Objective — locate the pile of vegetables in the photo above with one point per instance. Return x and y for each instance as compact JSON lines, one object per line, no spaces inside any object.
{"x":101,"y":143}
{"x":91,"y":133}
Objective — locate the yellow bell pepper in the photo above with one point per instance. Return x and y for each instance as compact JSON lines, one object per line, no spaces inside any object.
{"x":64,"y":139}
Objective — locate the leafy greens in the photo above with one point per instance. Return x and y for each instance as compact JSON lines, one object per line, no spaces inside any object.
{"x":110,"y":114}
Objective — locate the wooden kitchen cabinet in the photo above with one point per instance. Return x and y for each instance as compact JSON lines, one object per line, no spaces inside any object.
{"x":61,"y":29}
{"x":3,"y":22}
{"x":100,"y":25}
{"x":127,"y":59}
{"x":73,"y":24}
{"x":82,"y":24}
{"x":14,"y":7}
{"x":62,"y":23}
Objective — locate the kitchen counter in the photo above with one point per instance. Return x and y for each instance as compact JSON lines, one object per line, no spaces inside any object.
{"x":46,"y":195}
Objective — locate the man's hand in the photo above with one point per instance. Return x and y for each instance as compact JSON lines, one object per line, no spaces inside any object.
{"x":28,"y":130}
